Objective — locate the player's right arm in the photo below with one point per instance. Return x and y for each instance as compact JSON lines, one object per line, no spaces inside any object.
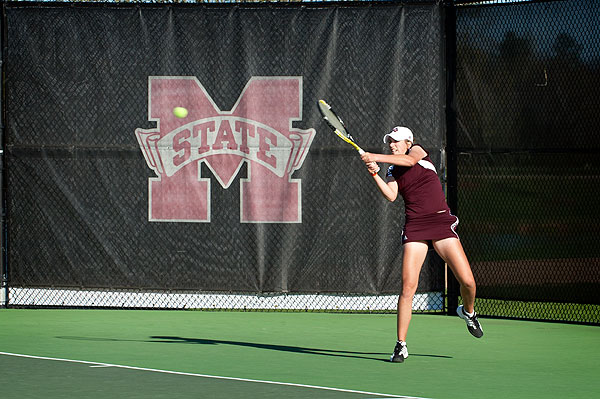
{"x":388,"y":187}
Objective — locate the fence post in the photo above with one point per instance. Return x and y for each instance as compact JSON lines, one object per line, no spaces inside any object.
{"x":452,"y":286}
{"x":3,"y":263}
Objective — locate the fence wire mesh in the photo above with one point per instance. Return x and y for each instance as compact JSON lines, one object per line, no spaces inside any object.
{"x":528,"y":107}
{"x":80,"y":187}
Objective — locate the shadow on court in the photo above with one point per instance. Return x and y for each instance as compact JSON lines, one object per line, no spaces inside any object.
{"x":282,"y":348}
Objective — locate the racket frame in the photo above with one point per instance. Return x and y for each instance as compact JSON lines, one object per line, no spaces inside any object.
{"x":341,"y":131}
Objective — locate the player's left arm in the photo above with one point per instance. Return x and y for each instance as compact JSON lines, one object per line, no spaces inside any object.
{"x":415,"y":154}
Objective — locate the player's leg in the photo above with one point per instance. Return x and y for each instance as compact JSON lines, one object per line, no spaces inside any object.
{"x":412,"y":261}
{"x":452,"y":252}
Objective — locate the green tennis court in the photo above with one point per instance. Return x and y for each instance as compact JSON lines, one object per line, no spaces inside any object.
{"x":181,"y":354}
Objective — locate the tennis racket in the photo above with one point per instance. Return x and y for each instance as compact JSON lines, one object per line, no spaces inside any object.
{"x":337,"y":125}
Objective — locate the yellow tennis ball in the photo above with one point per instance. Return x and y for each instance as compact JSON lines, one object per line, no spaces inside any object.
{"x":180,"y":112}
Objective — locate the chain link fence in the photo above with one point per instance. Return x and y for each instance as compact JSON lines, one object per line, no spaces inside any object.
{"x":83,"y":94}
{"x":522,"y":169}
{"x":528,"y":107}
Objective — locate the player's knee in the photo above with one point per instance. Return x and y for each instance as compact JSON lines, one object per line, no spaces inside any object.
{"x":409,"y":289}
{"x":469,"y":284}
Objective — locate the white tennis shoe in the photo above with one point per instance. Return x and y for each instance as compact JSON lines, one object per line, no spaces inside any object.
{"x":472,"y":323}
{"x":400,"y":352}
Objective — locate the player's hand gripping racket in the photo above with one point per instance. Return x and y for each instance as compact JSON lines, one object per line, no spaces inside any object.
{"x":337,"y":125}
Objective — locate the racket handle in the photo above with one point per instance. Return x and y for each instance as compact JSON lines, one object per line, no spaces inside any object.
{"x":361,"y":151}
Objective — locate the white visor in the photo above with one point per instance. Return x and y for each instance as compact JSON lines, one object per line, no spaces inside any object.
{"x":399,"y":133}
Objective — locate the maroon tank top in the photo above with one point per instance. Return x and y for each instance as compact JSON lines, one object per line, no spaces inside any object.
{"x":420,"y":188}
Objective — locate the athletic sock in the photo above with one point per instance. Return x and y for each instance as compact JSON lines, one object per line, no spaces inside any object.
{"x":469,"y":314}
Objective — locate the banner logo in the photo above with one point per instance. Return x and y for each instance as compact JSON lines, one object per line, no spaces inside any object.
{"x":257,"y":130}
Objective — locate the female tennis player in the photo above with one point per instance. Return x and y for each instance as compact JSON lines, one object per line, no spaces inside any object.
{"x":428,"y":221}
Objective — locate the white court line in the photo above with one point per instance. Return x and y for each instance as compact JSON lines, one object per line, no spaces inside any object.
{"x":96,"y":364}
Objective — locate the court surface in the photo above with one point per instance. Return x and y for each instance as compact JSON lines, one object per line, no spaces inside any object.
{"x":193,"y":354}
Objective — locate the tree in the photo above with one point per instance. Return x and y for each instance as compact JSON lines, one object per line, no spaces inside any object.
{"x":567,"y":48}
{"x":514,"y":47}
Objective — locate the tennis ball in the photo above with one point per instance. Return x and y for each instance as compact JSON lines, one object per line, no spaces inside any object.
{"x":180,"y":112}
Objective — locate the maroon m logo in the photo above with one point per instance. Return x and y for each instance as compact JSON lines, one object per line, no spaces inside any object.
{"x":258,"y":130}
